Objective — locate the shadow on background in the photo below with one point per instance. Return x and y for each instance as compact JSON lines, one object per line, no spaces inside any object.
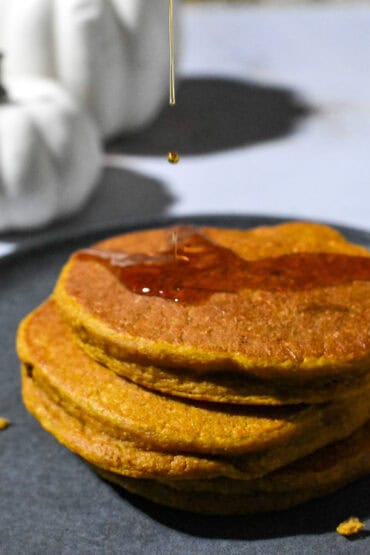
{"x":315,"y":517}
{"x":214,"y":114}
{"x":123,"y":196}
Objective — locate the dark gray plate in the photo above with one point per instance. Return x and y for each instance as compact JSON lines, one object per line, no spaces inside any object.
{"x":52,"y":503}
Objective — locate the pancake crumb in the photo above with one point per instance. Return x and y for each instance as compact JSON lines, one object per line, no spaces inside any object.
{"x":350,"y":526}
{"x":4,"y":423}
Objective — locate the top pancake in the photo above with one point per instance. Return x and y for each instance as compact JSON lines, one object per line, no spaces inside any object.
{"x":300,"y":334}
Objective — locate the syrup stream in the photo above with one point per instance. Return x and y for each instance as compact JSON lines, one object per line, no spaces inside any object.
{"x":172,"y":53}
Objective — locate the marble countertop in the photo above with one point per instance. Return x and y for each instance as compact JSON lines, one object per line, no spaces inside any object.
{"x":272,"y":118}
{"x":319,"y":165}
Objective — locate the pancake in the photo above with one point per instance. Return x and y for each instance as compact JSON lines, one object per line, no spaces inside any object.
{"x":120,"y":461}
{"x":213,"y":503}
{"x":230,"y":387}
{"x":279,"y":329}
{"x":255,"y":440}
{"x":336,"y":464}
{"x":104,"y":451}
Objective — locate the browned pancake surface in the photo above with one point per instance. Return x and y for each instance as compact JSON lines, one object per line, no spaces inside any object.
{"x":255,"y":439}
{"x":120,"y":461}
{"x":317,"y":332}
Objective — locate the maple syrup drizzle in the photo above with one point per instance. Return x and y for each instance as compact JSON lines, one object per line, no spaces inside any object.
{"x":172,"y":156}
{"x":193,"y":268}
{"x":172,"y":53}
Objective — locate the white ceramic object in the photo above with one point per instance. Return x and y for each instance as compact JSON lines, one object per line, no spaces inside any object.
{"x":50,"y":155}
{"x":112,"y":55}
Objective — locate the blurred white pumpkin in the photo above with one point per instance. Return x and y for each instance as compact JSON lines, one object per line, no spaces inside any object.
{"x":112,"y":55}
{"x":50,"y":155}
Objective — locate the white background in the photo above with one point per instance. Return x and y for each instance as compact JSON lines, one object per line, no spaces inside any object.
{"x":322,"y":171}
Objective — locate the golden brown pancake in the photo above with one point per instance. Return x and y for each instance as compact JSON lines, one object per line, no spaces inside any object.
{"x":336,"y":464}
{"x":271,"y":316}
{"x":256,"y":440}
{"x":272,"y":331}
{"x":214,"y":503}
{"x":320,"y":473}
{"x":231,"y":387}
{"x":110,"y":453}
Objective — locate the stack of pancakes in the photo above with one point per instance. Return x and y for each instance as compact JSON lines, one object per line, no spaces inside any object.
{"x":240,"y":387}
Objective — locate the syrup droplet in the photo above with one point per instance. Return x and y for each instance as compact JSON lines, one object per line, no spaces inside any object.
{"x":193,"y":268}
{"x":173,"y":157}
